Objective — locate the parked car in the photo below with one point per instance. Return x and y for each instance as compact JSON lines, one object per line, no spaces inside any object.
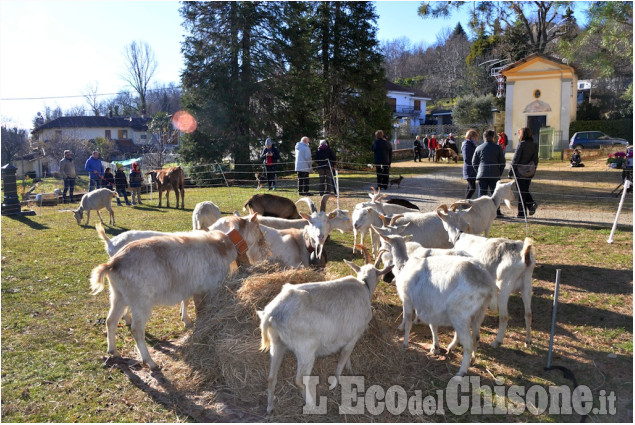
{"x":594,"y":140}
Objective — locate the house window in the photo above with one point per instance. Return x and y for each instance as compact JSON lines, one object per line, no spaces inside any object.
{"x":417,"y":105}
{"x":108,"y":134}
{"x":143,"y":136}
{"x":392,"y":104}
{"x":123,"y":134}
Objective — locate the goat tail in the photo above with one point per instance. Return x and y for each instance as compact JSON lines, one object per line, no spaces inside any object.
{"x":102,"y":234}
{"x":97,"y":277}
{"x":265,"y":321}
{"x":527,"y":253}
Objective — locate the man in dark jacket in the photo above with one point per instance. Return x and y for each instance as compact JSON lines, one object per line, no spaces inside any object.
{"x":417,"y":148}
{"x":121,"y":183}
{"x":325,"y":159}
{"x":489,"y":162}
{"x":469,"y":172}
{"x":68,"y":173}
{"x":270,"y":157}
{"x":383,"y":159}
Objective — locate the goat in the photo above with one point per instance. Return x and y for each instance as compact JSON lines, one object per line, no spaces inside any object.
{"x":445,"y":153}
{"x":115,"y":244}
{"x":317,"y":319}
{"x":338,"y":219}
{"x":166,"y":270}
{"x":319,"y":223}
{"x":204,"y":215}
{"x":481,"y":212}
{"x":512,"y":262}
{"x":170,"y":178}
{"x":272,"y":205}
{"x":96,"y":200}
{"x":290,"y":247}
{"x":396,"y":181}
{"x":443,"y":290}
{"x":258,"y":250}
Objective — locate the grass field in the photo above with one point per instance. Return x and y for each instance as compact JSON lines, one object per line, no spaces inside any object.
{"x":54,"y":343}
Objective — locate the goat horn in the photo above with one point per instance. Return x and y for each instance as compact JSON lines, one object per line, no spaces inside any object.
{"x":383,"y":218}
{"x":309,"y":202}
{"x":395,"y":218}
{"x":443,"y":208}
{"x":379,"y":198}
{"x":373,"y":188}
{"x":381,"y":251}
{"x":325,"y":198}
{"x":362,"y":248}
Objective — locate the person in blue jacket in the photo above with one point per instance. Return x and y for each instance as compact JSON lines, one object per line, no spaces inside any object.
{"x":469,"y":172}
{"x":489,"y":162}
{"x":95,"y":171}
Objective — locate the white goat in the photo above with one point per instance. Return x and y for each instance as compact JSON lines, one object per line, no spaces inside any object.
{"x":165,"y":270}
{"x":204,"y":215}
{"x":317,"y":319}
{"x":115,"y":244}
{"x":96,"y":200}
{"x":320,"y":223}
{"x":256,"y":252}
{"x":481,"y":212}
{"x":288,"y":246}
{"x":443,"y":290}
{"x":512,"y":262}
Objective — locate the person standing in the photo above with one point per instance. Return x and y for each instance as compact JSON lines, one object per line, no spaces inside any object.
{"x":489,"y":162}
{"x":270,"y":157}
{"x":383,"y":158}
{"x":109,"y":179}
{"x":417,"y":148}
{"x":68,"y":173}
{"x":121,"y":183}
{"x":325,"y":159}
{"x":469,"y":172}
{"x":526,"y":152}
{"x":95,"y":171}
{"x":502,"y":140}
{"x":303,"y":165}
{"x":432,"y":147}
{"x":136,"y":179}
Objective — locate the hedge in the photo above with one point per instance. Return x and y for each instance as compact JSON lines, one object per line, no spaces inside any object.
{"x":614,"y":128}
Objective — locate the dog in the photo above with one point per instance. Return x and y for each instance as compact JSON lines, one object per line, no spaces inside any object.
{"x":445,"y":153}
{"x":259,"y":181}
{"x":396,"y":181}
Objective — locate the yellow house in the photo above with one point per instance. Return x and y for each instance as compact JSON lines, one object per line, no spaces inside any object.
{"x":540,"y":92}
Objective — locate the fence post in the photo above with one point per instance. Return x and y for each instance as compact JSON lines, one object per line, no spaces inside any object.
{"x":553,"y":317}
{"x":627,"y":184}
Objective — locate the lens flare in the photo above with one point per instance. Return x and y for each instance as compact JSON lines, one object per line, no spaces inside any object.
{"x":184,"y":121}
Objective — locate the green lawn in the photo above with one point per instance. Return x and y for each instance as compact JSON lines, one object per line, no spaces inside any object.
{"x":53,"y":330}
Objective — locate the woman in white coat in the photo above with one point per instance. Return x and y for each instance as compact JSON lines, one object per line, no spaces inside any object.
{"x":303,"y":165}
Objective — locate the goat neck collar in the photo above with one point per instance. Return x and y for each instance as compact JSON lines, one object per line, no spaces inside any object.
{"x":458,"y":235}
{"x":238,"y":241}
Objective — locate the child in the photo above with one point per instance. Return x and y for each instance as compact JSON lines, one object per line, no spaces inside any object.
{"x":109,"y":179}
{"x":576,"y":159}
{"x":122,"y":184}
{"x":136,"y":179}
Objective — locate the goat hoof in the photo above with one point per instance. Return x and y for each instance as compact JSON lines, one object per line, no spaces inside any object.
{"x":527,"y":342}
{"x":332,"y":382}
{"x":495,"y":344}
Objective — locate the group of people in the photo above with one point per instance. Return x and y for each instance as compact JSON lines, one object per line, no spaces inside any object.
{"x":486,"y":164}
{"x":98,"y":178}
{"x":324,"y":157}
{"x":431,"y":144}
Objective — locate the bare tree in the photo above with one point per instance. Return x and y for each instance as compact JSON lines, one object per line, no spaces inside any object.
{"x":90,"y":94}
{"x":141,"y":65}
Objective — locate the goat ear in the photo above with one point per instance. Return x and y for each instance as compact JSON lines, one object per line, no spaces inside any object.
{"x":386,"y":270}
{"x":236,"y":213}
{"x":305,"y":216}
{"x":353,"y":266}
{"x":253,"y":217}
{"x":403,"y":228}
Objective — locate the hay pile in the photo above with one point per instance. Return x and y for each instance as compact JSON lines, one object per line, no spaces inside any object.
{"x":222,"y":353}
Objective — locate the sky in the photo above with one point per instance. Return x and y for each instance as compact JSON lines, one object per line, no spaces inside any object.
{"x":52,"y":51}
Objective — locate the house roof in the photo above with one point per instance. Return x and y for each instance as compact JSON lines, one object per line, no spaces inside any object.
{"x":390,"y":86}
{"x":536,"y":57}
{"x":139,"y":124}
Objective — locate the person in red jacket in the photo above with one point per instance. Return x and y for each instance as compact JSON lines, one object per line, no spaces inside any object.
{"x":502,"y":140}
{"x":433,"y":145}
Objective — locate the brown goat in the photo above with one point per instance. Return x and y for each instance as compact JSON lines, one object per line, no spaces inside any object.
{"x":445,"y":153}
{"x":272,"y":206}
{"x":170,"y":178}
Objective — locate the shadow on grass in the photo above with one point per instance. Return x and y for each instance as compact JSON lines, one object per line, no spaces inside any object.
{"x":589,"y":225}
{"x":26,"y":220}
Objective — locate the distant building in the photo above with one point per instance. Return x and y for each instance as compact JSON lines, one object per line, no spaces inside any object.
{"x":541,"y":91}
{"x":407,"y":104}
